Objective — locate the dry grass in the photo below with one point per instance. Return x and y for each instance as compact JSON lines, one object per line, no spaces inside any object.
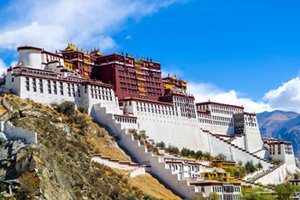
{"x":104,"y":144}
{"x":151,"y":186}
{"x":2,"y":110}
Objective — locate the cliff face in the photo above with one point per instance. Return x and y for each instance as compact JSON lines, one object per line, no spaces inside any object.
{"x":59,"y":166}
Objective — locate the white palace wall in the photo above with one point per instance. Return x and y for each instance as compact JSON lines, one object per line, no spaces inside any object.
{"x":47,"y":88}
{"x":239,"y":141}
{"x":253,"y":139}
{"x":171,"y":128}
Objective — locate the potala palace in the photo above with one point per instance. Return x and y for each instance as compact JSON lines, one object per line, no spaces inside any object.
{"x":126,"y":94}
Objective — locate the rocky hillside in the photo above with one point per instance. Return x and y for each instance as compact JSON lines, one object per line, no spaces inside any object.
{"x":282,"y":125}
{"x":59,"y":166}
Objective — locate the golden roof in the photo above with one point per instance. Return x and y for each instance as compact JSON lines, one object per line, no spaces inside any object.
{"x":71,"y":47}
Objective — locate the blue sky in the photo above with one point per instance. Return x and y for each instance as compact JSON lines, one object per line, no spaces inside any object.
{"x":251,"y":46}
{"x":246,"y":52}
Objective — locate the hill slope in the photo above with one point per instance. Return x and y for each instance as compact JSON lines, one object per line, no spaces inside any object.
{"x":59,"y":166}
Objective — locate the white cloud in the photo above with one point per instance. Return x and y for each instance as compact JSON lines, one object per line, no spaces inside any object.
{"x":2,"y":67}
{"x":205,"y":91}
{"x":53,"y":23}
{"x":285,"y":97}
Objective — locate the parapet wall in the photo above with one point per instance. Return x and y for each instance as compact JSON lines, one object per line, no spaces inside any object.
{"x":275,"y":176}
{"x":14,"y":133}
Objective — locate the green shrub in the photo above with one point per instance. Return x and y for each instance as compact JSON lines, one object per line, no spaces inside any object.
{"x":221,"y":156}
{"x":161,"y":145}
{"x":172,"y":149}
{"x":250,"y":168}
{"x":66,"y":108}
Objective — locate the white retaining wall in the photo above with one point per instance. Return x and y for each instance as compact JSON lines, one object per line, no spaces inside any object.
{"x":137,"y":172}
{"x":219,"y":147}
{"x":141,"y":155}
{"x":12,"y":133}
{"x":253,"y":139}
{"x":239,"y":141}
{"x":274,"y":177}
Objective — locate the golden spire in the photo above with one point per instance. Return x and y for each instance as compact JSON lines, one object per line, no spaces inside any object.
{"x":71,"y":47}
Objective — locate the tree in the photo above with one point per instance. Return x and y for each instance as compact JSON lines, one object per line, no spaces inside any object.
{"x":259,"y":166}
{"x":250,"y":168}
{"x":221,"y":156}
{"x":213,"y":196}
{"x":285,"y":191}
{"x":185,"y":152}
{"x":207,"y":156}
{"x":198,"y":155}
{"x":161,"y":145}
{"x":240,"y":163}
{"x":172,"y":149}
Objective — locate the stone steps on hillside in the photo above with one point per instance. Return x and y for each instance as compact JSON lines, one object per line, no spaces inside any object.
{"x":238,"y":148}
{"x":138,"y":151}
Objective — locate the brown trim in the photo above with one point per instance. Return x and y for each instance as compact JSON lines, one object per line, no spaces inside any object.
{"x":52,"y":54}
{"x":180,"y":95}
{"x":220,"y":104}
{"x":53,"y":61}
{"x":29,"y":48}
{"x":174,"y":162}
{"x":125,"y":116}
{"x":146,"y":100}
{"x":207,"y":112}
{"x":215,"y":184}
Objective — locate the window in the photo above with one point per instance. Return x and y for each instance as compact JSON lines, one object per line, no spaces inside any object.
{"x":69,"y":90}
{"x":49,"y":87}
{"x":55,"y":87}
{"x":78,"y":90}
{"x":27,"y":84}
{"x":61,"y":88}
{"x":41,"y":86}
{"x":34,"y":84}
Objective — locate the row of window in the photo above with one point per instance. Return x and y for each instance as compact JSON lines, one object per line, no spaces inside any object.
{"x":229,"y":108}
{"x":183,"y":100}
{"x":251,"y":124}
{"x":223,"y":111}
{"x":215,"y":122}
{"x":61,"y":88}
{"x":156,"y":110}
{"x":101,"y":93}
{"x":125,"y":120}
{"x":53,"y":87}
{"x":181,"y":167}
{"x":52,"y":58}
{"x":224,"y":119}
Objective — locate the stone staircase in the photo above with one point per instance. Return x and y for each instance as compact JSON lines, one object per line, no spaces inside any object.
{"x":140,"y":154}
{"x":264,"y":173}
{"x":243,"y":151}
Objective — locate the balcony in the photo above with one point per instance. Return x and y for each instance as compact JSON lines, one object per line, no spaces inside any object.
{"x":141,"y":78}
